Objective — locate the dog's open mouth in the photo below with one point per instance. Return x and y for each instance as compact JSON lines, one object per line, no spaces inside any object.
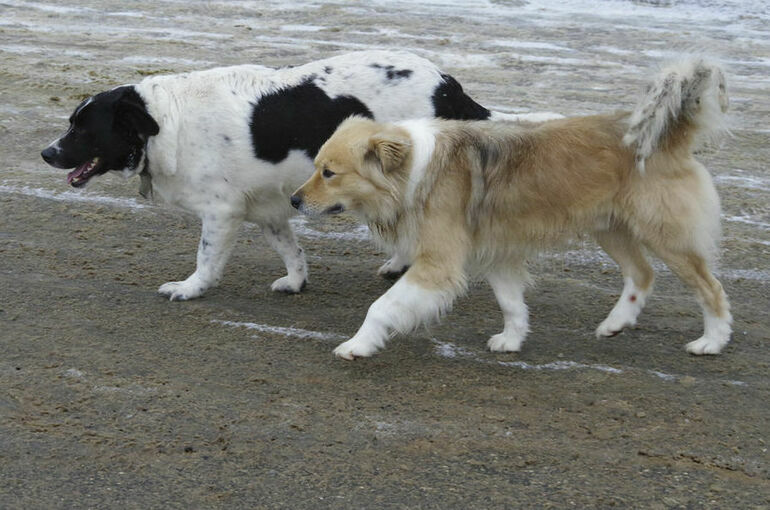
{"x":79,"y":176}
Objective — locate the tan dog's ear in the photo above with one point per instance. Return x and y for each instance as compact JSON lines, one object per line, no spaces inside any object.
{"x":389,"y":149}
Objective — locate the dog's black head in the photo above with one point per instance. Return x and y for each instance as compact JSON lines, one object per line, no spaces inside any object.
{"x":107,"y":132}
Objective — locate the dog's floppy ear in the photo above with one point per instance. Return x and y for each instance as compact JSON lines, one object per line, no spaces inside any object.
{"x":131,"y":110}
{"x":389,"y":149}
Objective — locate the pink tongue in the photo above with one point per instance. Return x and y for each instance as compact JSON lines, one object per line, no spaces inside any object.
{"x":77,"y":172}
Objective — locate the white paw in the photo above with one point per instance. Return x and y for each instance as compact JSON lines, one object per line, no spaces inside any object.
{"x":393,"y":268}
{"x":613,"y":325}
{"x":505,"y":343}
{"x":355,"y":348}
{"x":706,"y":345}
{"x":181,"y":291}
{"x":288,"y":285}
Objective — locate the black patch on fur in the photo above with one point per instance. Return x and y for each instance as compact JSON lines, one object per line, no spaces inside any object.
{"x":391,"y":73}
{"x":328,"y":69}
{"x":301,"y":117}
{"x":450,"y":102}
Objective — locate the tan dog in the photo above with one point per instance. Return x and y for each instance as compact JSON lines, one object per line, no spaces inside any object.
{"x":468,"y":200}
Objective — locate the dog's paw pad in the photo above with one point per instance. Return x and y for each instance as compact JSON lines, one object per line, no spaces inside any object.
{"x":284,"y":284}
{"x":505,"y":343}
{"x":705,"y":345}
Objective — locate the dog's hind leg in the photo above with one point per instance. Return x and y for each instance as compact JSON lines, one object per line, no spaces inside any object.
{"x":214,"y":248}
{"x":637,"y":279}
{"x":508,"y":287}
{"x":693,"y":269}
{"x":281,"y":237}
{"x":682,"y":229}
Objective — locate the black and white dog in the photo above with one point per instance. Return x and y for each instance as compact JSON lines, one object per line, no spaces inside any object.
{"x":231,"y":144}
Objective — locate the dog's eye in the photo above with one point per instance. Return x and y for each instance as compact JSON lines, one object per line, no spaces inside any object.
{"x":327,"y":174}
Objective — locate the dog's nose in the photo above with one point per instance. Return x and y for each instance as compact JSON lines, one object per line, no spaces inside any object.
{"x":48,"y":154}
{"x":296,"y":201}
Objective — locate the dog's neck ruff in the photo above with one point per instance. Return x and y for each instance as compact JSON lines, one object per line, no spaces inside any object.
{"x":423,"y":135}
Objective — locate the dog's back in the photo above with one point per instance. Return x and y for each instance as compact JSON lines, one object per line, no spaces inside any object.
{"x":530,"y":186}
{"x":539,"y":184}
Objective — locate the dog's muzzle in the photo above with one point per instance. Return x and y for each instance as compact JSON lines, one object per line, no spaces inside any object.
{"x":296,"y":201}
{"x":50,"y":154}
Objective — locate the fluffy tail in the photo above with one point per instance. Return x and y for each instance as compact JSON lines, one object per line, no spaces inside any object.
{"x":687,"y":100}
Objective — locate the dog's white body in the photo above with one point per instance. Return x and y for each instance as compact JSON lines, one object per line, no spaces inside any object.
{"x":465,"y":200}
{"x":203,"y":159}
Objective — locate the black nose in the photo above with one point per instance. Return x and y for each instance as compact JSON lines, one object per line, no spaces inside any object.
{"x":48,"y":154}
{"x":296,"y":201}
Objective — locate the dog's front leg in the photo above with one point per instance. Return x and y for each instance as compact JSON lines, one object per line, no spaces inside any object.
{"x":281,"y":238}
{"x":508,"y":286}
{"x":216,"y":243}
{"x":409,"y":303}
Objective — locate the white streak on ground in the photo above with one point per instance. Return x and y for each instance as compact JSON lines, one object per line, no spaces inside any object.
{"x":662,"y":375}
{"x":747,"y":220}
{"x":72,"y":196}
{"x":757,"y":241}
{"x":527,"y":44}
{"x":129,"y":389}
{"x":744,"y":274}
{"x":301,"y":28}
{"x":145,"y":60}
{"x":743,"y":181}
{"x":74,"y":372}
{"x":283,"y":331}
{"x":450,"y":350}
{"x":559,"y":365}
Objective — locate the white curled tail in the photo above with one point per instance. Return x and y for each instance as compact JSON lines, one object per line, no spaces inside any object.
{"x":687,"y":100}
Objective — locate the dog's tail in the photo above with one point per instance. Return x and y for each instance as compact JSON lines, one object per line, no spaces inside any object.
{"x":685,"y":102}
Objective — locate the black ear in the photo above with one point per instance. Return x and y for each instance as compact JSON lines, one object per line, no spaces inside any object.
{"x":131,"y":111}
{"x":390,"y":149}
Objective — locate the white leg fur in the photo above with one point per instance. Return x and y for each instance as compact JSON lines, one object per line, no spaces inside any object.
{"x":402,"y":308}
{"x":281,"y":238}
{"x":216,"y":243}
{"x":625,"y":311}
{"x":509,"y":291}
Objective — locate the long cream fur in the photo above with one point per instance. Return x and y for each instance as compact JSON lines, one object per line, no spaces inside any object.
{"x":466,"y":200}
